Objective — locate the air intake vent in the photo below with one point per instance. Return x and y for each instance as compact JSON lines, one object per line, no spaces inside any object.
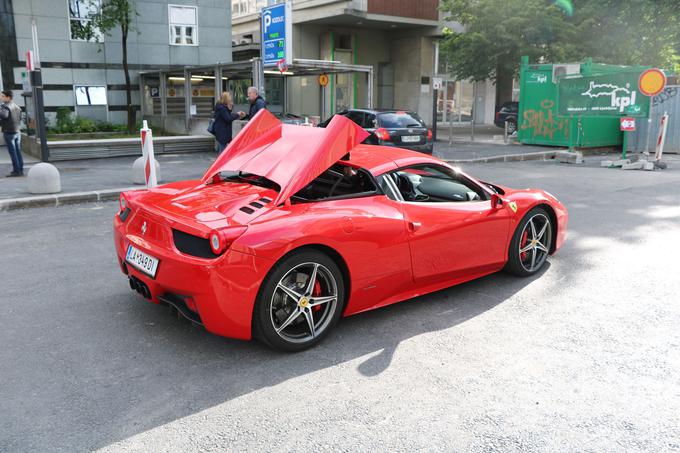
{"x":265,"y":200}
{"x":256,"y":205}
{"x":192,"y":245}
{"x":247,"y":210}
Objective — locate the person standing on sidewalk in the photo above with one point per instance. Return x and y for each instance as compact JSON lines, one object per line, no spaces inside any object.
{"x":224,"y":117}
{"x":256,"y":103}
{"x":10,"y":120}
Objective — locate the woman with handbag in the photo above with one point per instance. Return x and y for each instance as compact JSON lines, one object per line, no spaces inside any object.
{"x":223,"y":119}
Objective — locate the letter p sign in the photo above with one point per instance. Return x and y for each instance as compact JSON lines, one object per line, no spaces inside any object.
{"x":266,"y":21}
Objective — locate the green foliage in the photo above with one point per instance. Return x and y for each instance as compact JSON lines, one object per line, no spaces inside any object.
{"x":498,"y":32}
{"x":68,"y":123}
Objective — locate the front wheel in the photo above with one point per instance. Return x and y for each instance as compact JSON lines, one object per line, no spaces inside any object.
{"x":530,"y":244}
{"x":300,"y":302}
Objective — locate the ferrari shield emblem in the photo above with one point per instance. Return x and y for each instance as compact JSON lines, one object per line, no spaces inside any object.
{"x":513,"y":206}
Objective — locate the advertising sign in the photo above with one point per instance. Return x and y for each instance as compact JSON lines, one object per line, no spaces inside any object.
{"x":602,"y":95}
{"x":276,"y":26}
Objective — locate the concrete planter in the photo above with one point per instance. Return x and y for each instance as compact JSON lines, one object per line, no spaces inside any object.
{"x":98,"y":148}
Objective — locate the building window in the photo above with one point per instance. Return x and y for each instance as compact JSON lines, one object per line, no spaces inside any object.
{"x":90,"y":95}
{"x":244,"y":7}
{"x":183,"y":25}
{"x":80,"y":13}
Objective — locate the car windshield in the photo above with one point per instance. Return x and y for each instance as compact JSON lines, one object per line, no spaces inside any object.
{"x":394,"y":120}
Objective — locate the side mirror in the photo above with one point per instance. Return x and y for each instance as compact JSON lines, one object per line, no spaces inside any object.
{"x":496,"y":201}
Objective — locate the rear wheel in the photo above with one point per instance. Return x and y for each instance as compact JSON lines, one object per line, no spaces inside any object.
{"x":512,"y":126}
{"x":300,"y":301}
{"x":530,"y":244}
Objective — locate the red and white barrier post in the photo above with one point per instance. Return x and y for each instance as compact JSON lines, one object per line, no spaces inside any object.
{"x":147,"y":153}
{"x":661,"y":139}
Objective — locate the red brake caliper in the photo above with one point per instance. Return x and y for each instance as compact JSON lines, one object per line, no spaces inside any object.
{"x":523,"y":242}
{"x":315,"y":293}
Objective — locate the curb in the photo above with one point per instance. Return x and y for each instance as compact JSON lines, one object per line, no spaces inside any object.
{"x":40,"y":201}
{"x":540,"y":155}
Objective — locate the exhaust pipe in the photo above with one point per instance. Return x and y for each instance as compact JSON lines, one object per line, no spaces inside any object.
{"x":139,"y":286}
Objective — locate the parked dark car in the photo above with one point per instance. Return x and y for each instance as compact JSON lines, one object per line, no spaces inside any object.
{"x":399,"y":128}
{"x":508,"y":112}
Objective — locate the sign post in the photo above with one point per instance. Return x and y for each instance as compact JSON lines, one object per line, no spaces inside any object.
{"x":627,"y":125}
{"x":651,"y":83}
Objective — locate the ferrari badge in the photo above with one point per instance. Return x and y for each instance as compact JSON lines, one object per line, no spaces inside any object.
{"x":513,"y":206}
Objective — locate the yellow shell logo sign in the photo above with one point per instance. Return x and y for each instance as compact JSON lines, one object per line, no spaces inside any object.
{"x":513,"y":206}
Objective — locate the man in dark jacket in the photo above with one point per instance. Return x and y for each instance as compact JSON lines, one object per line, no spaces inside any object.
{"x":256,"y":103}
{"x":10,"y":119}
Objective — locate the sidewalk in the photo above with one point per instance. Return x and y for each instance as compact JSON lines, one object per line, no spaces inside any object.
{"x":108,"y":176}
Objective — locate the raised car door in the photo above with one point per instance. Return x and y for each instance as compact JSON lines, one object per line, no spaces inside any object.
{"x":450,"y":239}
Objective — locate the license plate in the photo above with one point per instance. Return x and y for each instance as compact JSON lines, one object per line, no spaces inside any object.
{"x":145,"y":263}
{"x":410,"y":138}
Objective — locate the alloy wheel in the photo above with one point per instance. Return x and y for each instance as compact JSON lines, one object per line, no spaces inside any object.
{"x":534,"y":245}
{"x":303,"y":302}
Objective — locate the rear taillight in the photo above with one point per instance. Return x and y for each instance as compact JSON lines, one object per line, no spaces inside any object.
{"x":498,"y":115}
{"x":382,"y":134}
{"x":124,"y":208}
{"x":220,"y":240}
{"x":429,"y":134}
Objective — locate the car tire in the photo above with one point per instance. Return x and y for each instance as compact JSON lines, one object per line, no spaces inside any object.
{"x":512,"y":126}
{"x":526,"y":257}
{"x":289,"y":315}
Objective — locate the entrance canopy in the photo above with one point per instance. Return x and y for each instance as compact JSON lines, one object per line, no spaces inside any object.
{"x":188,"y":93}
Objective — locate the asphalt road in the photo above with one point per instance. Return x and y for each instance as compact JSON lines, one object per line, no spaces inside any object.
{"x":585,"y":357}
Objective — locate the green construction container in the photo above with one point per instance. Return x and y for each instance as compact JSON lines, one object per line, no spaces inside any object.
{"x":577,"y":105}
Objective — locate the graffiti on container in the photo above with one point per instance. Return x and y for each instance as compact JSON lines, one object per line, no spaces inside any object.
{"x":543,"y":122}
{"x":665,"y":95}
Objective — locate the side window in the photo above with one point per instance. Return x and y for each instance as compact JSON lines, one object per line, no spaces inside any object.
{"x":370,"y":121}
{"x":435,"y":183}
{"x":357,"y":117}
{"x":389,"y":189}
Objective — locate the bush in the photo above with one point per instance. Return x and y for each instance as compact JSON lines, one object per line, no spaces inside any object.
{"x":67,"y":123}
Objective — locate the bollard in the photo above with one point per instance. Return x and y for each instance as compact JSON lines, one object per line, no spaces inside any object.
{"x":43,"y":178}
{"x":147,"y":153}
{"x":505,"y":132}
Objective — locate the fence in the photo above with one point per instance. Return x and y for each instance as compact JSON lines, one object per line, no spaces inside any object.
{"x":644,"y":137}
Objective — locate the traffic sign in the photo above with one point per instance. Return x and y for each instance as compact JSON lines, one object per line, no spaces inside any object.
{"x":276,"y":25}
{"x":652,"y":82}
{"x":627,"y":124}
{"x":437,"y":83}
{"x":323,"y":80}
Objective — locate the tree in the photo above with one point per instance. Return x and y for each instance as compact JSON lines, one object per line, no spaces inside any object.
{"x":496,"y":33}
{"x":112,"y":14}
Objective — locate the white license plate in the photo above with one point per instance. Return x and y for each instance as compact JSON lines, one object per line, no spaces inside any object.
{"x":145,"y":263}
{"x":410,"y":138}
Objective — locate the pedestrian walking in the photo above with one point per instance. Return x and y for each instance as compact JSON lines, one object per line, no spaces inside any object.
{"x":10,"y":122}
{"x":256,"y":102}
{"x":223,"y":119}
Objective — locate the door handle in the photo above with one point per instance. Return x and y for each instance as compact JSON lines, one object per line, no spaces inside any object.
{"x":414,"y":226}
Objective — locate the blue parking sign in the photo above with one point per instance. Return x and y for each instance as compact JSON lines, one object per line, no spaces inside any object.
{"x":276,"y":34}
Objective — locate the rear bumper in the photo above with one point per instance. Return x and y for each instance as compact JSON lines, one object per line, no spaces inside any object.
{"x":220,"y":291}
{"x":425,"y":149}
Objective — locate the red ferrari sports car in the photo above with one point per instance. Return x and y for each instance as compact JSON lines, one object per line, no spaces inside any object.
{"x":293,"y":227}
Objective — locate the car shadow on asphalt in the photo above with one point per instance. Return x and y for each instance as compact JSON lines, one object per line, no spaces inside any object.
{"x":172,"y":369}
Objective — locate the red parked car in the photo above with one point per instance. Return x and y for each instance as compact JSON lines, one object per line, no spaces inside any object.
{"x":292,"y":228}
